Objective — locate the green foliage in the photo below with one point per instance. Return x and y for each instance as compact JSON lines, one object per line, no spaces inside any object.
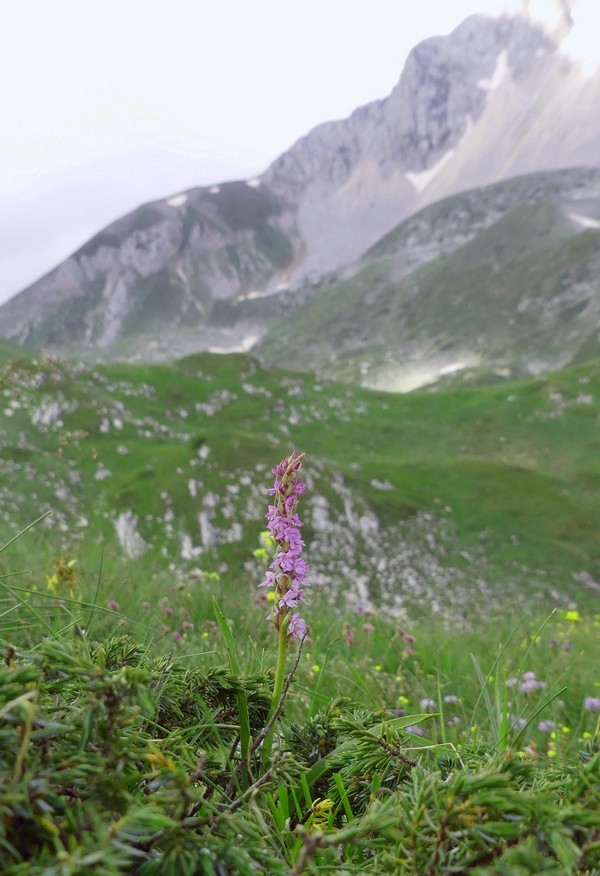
{"x":106,"y":766}
{"x":132,"y":722}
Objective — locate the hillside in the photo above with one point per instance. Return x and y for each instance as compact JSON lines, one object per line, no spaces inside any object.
{"x":501,"y":279}
{"x":457,"y":503}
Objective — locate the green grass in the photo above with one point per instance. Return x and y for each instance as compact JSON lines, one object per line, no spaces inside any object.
{"x":132,"y":714}
{"x":121,"y":721}
{"x":501,"y":480}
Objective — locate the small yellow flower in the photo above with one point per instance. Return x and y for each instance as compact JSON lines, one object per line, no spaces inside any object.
{"x":572,"y":616}
{"x":320,"y":813}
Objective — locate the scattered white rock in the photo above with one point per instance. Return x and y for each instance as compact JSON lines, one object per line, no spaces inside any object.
{"x":382,"y":485}
{"x":130,"y":539}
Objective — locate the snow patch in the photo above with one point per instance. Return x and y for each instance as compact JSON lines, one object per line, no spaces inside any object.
{"x":245,"y":344}
{"x":253,"y":183}
{"x":214,"y":190}
{"x":584,"y":221}
{"x":177,"y":200}
{"x":450,"y":369}
{"x":498,"y":76}
{"x":421,"y":180}
{"x":413,"y":375}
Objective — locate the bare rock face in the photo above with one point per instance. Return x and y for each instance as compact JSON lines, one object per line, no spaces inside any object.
{"x":168,"y":264}
{"x":356,"y":179}
{"x":495,"y":99}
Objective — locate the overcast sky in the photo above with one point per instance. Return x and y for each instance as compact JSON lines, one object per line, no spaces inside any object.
{"x":106,"y":105}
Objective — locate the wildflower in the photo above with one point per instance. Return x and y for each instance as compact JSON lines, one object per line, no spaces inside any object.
{"x":64,"y":578}
{"x":451,"y":698}
{"x":368,"y":629}
{"x":348,"y":634}
{"x":113,"y":605}
{"x":415,"y":730}
{"x":529,"y":685}
{"x":572,"y":616}
{"x":591,"y":704}
{"x":410,"y":640}
{"x":427,"y":705}
{"x":320,"y":813}
{"x":453,"y":722}
{"x":546,"y":726}
{"x":288,"y":572}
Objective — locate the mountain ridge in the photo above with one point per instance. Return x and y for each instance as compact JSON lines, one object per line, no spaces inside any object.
{"x":185,"y":273}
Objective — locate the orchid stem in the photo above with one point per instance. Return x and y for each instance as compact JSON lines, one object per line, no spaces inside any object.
{"x":277,"y":687}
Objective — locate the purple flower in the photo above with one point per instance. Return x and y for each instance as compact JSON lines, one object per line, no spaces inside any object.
{"x":546,"y":726}
{"x":288,"y":572}
{"x":415,"y":730}
{"x":591,"y":704}
{"x":427,"y":705}
{"x":451,"y":698}
{"x":297,"y":626}
{"x":292,"y":598}
{"x":529,"y":685}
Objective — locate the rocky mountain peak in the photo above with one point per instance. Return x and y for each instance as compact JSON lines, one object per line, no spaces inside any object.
{"x":494,"y":99}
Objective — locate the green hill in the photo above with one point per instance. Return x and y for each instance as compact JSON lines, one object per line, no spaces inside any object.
{"x":460,"y":502}
{"x":501,"y":279}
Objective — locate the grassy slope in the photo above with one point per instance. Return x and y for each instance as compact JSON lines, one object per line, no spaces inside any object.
{"x":509,"y":472}
{"x":511,"y":295}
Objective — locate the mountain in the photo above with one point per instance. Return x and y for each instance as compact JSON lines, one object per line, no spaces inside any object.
{"x":494,"y":99}
{"x":502,"y":280}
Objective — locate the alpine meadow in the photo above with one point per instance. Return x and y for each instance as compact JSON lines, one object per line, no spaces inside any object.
{"x":299,"y":546}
